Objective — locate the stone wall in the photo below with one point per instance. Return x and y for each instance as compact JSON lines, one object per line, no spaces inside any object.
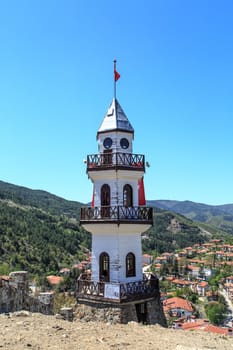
{"x":102,"y":312}
{"x":11,"y":299}
{"x":14,"y":296}
{"x":148,"y":312}
{"x":155,"y":314}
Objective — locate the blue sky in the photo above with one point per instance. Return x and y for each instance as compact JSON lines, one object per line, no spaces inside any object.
{"x":56,"y":83}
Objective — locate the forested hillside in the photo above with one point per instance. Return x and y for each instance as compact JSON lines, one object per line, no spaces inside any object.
{"x":40,"y":232}
{"x":172,"y":231}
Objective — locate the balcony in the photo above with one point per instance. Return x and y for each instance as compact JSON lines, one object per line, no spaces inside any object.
{"x":117,"y":214}
{"x":104,"y":161}
{"x":117,"y":292}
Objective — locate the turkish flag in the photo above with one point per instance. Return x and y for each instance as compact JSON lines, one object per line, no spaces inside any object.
{"x":116,"y":75}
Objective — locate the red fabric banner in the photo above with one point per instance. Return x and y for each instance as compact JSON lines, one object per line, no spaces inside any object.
{"x":93,"y":199}
{"x":141,"y":192}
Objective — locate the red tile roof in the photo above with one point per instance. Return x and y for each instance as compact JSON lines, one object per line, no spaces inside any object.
{"x":174,"y":303}
{"x":204,"y":326}
{"x":147,"y":256}
{"x":193,"y":268}
{"x":5,"y":278}
{"x":203,"y":284}
{"x":181,"y":282}
{"x":54,"y":280}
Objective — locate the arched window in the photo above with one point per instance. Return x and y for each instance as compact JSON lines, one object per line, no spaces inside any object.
{"x":104,"y":267}
{"x":130,"y":265}
{"x":105,"y":200}
{"x":127,"y":196}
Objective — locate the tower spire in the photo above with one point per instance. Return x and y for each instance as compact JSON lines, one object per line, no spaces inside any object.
{"x":116,"y":77}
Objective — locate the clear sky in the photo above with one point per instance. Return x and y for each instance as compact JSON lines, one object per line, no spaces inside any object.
{"x":175,"y":58}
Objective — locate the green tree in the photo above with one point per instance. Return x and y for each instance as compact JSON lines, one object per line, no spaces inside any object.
{"x":215,"y":312}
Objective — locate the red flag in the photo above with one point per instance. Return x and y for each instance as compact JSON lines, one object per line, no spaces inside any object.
{"x":116,"y":75}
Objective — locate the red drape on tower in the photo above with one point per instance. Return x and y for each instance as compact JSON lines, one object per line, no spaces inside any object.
{"x":93,"y":199}
{"x":141,"y":192}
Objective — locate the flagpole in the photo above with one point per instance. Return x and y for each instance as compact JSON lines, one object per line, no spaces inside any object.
{"x":114,"y":78}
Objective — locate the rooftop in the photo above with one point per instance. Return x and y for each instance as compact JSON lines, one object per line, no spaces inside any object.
{"x":115,"y":119}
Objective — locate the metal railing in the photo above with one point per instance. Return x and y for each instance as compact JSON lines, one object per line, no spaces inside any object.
{"x":117,"y":213}
{"x":115,"y":160}
{"x":126,"y":291}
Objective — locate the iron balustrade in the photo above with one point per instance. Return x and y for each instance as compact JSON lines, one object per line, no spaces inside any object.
{"x":117,"y":214}
{"x":127,"y":291}
{"x":115,"y":160}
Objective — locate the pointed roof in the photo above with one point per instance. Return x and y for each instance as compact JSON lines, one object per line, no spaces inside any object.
{"x":115,"y":119}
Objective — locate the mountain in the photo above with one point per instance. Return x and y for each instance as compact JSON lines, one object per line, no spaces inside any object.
{"x":39,"y":199}
{"x":220,"y":216}
{"x":172,"y":231}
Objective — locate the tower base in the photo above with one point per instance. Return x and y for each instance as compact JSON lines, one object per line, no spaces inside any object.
{"x":145,"y":311}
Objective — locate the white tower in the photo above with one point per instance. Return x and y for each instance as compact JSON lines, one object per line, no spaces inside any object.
{"x":116,"y":219}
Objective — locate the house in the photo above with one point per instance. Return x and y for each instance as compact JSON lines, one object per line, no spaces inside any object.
{"x":182,"y":254}
{"x":189,"y":251}
{"x":158,"y":267}
{"x":229,"y":289}
{"x":229,"y":256}
{"x":196,"y":261}
{"x":202,"y":251}
{"x":229,"y":279}
{"x":169,"y":256}
{"x":147,"y":259}
{"x":216,"y":241}
{"x":160,"y":260}
{"x":65,"y":271}
{"x":220,"y":254}
{"x":54,"y":280}
{"x":193,"y":271}
{"x":208,"y":245}
{"x":202,"y":288}
{"x":177,"y":307}
{"x":205,"y":273}
{"x":227,"y":248}
{"x":78,"y":266}
{"x":204,"y":325}
{"x":180,"y":283}
{"x":4,"y":280}
{"x":212,"y":296}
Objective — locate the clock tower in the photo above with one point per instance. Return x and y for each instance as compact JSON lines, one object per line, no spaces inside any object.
{"x":116,"y":219}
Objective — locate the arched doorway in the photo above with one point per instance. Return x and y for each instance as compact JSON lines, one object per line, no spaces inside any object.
{"x":105,"y":200}
{"x":104,"y":267}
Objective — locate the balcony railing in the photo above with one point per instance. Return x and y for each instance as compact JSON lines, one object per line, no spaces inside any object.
{"x":118,"y":292}
{"x":119,"y":214}
{"x":116,"y":161}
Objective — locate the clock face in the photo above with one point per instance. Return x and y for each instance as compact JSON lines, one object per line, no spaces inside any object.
{"x":124,"y":143}
{"x":107,"y":143}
